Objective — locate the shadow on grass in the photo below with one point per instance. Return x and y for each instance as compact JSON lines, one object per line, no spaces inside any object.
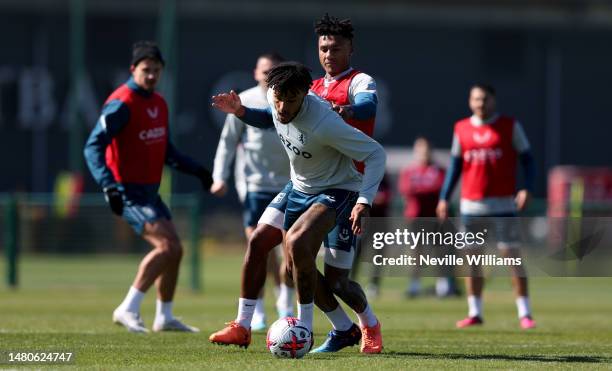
{"x":502,"y":357}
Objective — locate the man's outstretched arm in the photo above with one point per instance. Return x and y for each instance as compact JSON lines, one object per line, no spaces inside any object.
{"x":231,"y":103}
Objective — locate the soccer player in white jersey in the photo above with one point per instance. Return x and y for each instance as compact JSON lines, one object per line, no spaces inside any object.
{"x":327,"y":194}
{"x":353,"y":95}
{"x":264,"y":172}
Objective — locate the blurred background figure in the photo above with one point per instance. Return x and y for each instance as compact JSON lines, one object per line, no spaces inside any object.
{"x":380,"y":209}
{"x":265,"y":171}
{"x":419,"y":185}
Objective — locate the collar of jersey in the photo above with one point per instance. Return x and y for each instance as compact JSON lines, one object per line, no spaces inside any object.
{"x":338,"y":76}
{"x":477,"y":121}
{"x":134,"y":87}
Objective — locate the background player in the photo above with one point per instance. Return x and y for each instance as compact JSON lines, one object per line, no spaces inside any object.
{"x":420,"y":184}
{"x":485,"y":150}
{"x":381,"y":207}
{"x":126,"y":152}
{"x":265,"y":169}
{"x":314,"y":131}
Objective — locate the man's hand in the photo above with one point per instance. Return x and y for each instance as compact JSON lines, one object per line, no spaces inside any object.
{"x":228,"y":103}
{"x":219,"y":188}
{"x":442,"y":209}
{"x":522,"y":199}
{"x":358,"y":212}
{"x":114,"y":197}
{"x":205,"y":178}
{"x":346,"y":112}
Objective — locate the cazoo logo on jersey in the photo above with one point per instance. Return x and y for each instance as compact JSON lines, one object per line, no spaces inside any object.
{"x":293,"y":148}
{"x":152,"y":134}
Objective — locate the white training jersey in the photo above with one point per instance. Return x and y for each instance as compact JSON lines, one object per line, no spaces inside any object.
{"x":264,"y":169}
{"x":321,"y":148}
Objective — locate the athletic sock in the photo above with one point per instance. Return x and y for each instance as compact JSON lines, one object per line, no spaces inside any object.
{"x":306,"y":313}
{"x":339,"y":319}
{"x":474,"y":306}
{"x":523,"y":307}
{"x":163,"y":311}
{"x":442,"y":286}
{"x":367,"y":318}
{"x":246,"y":308}
{"x":259,"y":315}
{"x":284,"y":303}
{"x":132,"y":300}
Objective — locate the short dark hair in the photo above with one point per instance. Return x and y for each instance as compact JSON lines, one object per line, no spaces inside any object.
{"x":330,"y":25}
{"x":424,"y":139}
{"x":273,"y":57}
{"x":486,"y":87}
{"x":146,"y":49}
{"x":289,"y":78}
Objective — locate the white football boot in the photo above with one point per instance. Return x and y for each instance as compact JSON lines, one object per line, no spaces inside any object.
{"x":130,"y":320}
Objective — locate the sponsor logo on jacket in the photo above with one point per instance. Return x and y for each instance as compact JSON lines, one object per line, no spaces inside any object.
{"x":152,"y":134}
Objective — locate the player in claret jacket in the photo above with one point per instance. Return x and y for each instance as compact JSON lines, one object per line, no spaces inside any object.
{"x":126,"y":153}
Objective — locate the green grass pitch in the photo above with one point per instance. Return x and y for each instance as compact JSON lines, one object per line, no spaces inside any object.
{"x":66,"y":304}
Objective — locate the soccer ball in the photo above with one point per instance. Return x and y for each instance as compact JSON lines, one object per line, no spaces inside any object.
{"x":289,"y":338}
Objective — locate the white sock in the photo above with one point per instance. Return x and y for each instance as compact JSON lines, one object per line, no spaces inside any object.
{"x":306,"y":313}
{"x":367,"y":318}
{"x":284,"y":303}
{"x":163,"y":311}
{"x":474,"y":306}
{"x":339,"y":319}
{"x":523,"y":307}
{"x":246,"y":308}
{"x":132,"y":301}
{"x":442,"y":286}
{"x":260,"y":314}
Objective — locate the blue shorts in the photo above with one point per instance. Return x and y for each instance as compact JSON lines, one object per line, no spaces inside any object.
{"x":279,"y":202}
{"x":274,"y":214}
{"x":342,"y":201}
{"x":137,"y":213}
{"x":254,"y":205}
{"x":339,"y":242}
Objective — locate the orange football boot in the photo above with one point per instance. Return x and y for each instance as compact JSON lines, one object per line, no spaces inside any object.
{"x":371,"y":339}
{"x":232,"y":334}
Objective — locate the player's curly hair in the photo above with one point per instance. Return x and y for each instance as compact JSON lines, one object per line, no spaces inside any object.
{"x":289,"y":78}
{"x":330,"y":25}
